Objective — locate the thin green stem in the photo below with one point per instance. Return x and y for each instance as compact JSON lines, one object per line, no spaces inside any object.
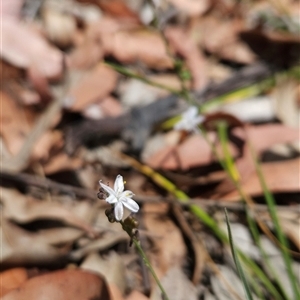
{"x":149,"y":266}
{"x":145,"y":259}
{"x":125,"y":71}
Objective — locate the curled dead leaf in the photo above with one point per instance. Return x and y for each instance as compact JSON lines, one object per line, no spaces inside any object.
{"x":21,"y":247}
{"x":24,"y":209}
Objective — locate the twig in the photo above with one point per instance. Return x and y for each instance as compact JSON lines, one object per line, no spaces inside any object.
{"x":47,"y":184}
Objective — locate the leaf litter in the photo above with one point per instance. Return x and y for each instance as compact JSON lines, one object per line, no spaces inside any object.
{"x":68,"y":113}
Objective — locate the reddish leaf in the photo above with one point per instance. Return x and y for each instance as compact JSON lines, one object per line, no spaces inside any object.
{"x":12,"y":279}
{"x":195,"y":151}
{"x":62,"y":285}
{"x":170,"y":249}
{"x":135,"y":295}
{"x":281,"y":177}
{"x":187,"y":48}
{"x":29,"y":50}
{"x":221,"y":38}
{"x":138,"y":45}
{"x":95,"y":86}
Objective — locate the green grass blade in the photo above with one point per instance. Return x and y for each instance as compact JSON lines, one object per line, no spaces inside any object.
{"x":256,"y":237}
{"x":279,"y":232}
{"x":237,"y":262}
{"x":230,"y":167}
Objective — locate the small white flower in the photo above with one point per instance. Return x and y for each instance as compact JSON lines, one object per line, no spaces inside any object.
{"x":119,"y":197}
{"x":190,"y":120}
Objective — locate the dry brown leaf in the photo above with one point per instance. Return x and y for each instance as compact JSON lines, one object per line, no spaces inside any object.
{"x":12,"y":279}
{"x":184,"y":45}
{"x":21,"y":247}
{"x":60,"y":26}
{"x":285,"y":46}
{"x":280,"y":177}
{"x":289,"y":218}
{"x":136,"y":295}
{"x":108,"y":107}
{"x":30,"y":50}
{"x":138,"y":45}
{"x":195,"y":151}
{"x":26,"y":95}
{"x":24,"y":209}
{"x":62,"y":162}
{"x":290,"y":224}
{"x":103,"y":243}
{"x":264,"y":136}
{"x":192,"y":8}
{"x":221,"y":38}
{"x":62,"y":285}
{"x":111,"y":267}
{"x":118,"y":9}
{"x":16,"y":122}
{"x":60,"y":236}
{"x":88,"y":52}
{"x":115,"y":292}
{"x":50,"y":140}
{"x":169,"y":247}
{"x":94,"y":42}
{"x":96,"y":85}
{"x":176,"y":285}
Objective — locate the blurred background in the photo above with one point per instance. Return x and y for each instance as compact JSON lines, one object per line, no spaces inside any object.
{"x":93,"y":88}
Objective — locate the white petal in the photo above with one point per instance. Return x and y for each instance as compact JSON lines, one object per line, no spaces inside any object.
{"x":190,"y":113}
{"x":130,"y":204}
{"x":119,"y":185}
{"x":111,"y":199}
{"x":119,"y":211}
{"x":107,"y":188}
{"x":127,"y":193}
{"x":199,"y":119}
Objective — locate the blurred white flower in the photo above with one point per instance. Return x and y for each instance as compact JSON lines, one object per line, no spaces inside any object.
{"x":118,"y":197}
{"x":190,"y":120}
